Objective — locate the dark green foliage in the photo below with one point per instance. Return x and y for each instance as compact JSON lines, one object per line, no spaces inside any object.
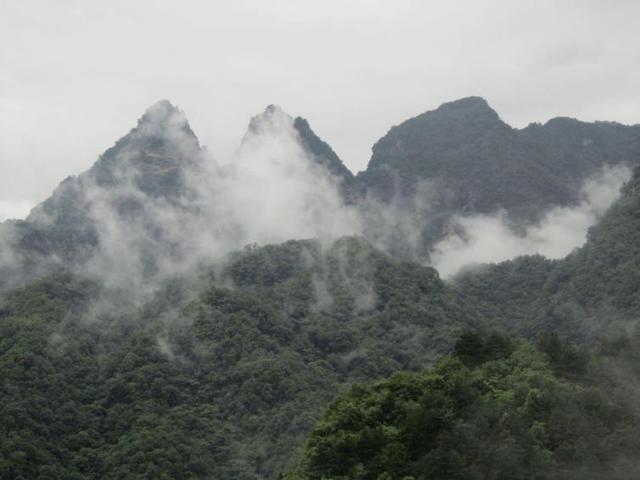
{"x":605,"y":270}
{"x":214,"y":377}
{"x":506,"y":417}
{"x":566,"y":359}
{"x":472,"y":348}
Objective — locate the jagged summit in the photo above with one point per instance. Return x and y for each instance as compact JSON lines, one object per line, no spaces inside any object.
{"x":150,"y":161}
{"x":165,"y":120}
{"x":273,"y":119}
{"x":160,"y":109}
{"x":274,"y":122}
{"x":163,"y":130}
{"x":273,"y":109}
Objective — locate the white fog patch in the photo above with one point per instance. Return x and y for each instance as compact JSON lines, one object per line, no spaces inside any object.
{"x":489,"y":239}
{"x":399,"y":223}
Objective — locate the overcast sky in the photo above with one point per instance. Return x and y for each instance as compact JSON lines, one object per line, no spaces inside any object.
{"x":75,"y":75}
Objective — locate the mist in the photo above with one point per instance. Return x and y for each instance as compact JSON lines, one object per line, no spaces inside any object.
{"x":491,"y":239}
{"x":274,"y":191}
{"x":270,"y":190}
{"x":159,"y":204}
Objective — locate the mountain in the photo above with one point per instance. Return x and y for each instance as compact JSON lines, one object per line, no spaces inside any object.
{"x":462,"y":159}
{"x":156,"y":202}
{"x":458,"y":159}
{"x":485,"y":165}
{"x":325,"y":156}
{"x":151,"y":164}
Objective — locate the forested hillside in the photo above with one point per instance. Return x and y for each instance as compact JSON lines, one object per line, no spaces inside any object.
{"x":497,"y":408}
{"x":591,"y":293}
{"x":219,"y":376}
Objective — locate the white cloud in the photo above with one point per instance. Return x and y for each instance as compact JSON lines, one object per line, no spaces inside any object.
{"x":489,"y":239}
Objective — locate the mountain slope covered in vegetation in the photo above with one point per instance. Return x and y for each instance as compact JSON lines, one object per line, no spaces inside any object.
{"x":593,"y":291}
{"x":216,"y":376}
{"x":496,"y":409}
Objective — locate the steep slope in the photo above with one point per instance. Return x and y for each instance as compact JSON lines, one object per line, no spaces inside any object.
{"x":323,"y":153}
{"x":462,"y":159}
{"x":149,"y":168}
{"x":275,"y":120}
{"x":587,"y":294}
{"x":221,"y":374}
{"x":486,"y":165}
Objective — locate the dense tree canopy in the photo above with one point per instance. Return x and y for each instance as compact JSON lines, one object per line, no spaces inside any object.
{"x":218,"y":375}
{"x":496,"y":409}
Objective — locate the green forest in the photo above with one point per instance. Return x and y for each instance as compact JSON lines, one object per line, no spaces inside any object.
{"x":234,"y":373}
{"x":495,"y":408}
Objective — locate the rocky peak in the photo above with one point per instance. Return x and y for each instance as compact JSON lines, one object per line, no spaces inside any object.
{"x":274,"y":119}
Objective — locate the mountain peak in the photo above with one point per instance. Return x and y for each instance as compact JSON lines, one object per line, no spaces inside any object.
{"x":155,"y":152}
{"x":468,"y":108}
{"x":165,"y":123}
{"x":451,"y":125}
{"x":273,"y":109}
{"x":470,"y":101}
{"x":162,"y":105}
{"x":163,"y":113}
{"x":273,"y":119}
